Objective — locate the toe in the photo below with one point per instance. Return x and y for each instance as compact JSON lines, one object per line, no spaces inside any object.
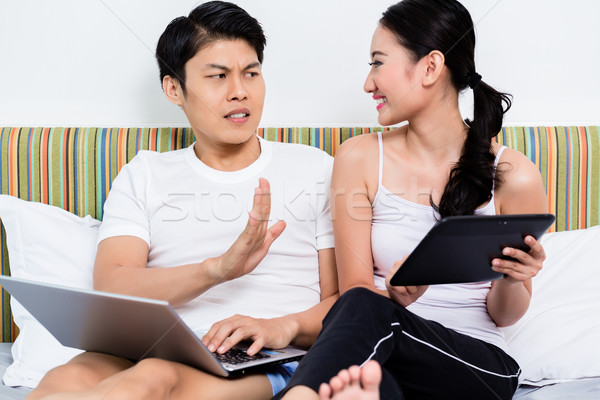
{"x":371,"y":376}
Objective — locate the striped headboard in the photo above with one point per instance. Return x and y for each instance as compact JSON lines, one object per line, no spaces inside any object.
{"x":73,"y":168}
{"x":569,"y":160}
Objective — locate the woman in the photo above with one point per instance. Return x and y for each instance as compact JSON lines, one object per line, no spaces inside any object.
{"x":441,"y":341}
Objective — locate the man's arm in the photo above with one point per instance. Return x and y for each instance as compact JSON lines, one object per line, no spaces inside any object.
{"x":121,"y":261}
{"x":300,"y":328}
{"x":310,"y":321}
{"x":120,"y":267}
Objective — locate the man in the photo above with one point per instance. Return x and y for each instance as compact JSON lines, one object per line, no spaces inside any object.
{"x":172,"y":224}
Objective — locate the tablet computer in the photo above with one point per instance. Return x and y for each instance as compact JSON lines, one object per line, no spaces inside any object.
{"x":460,"y":249}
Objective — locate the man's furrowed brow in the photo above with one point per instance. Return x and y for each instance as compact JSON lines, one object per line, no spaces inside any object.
{"x":252,"y":66}
{"x":227,"y":69}
{"x":217,"y":66}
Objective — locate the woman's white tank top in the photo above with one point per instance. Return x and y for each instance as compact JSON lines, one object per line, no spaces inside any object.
{"x":398,"y":225}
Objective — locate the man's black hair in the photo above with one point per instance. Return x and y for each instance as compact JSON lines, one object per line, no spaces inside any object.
{"x":207,"y":23}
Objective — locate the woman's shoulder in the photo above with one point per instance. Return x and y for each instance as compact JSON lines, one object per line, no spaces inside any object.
{"x":361,"y":147}
{"x":515,"y":165}
{"x":521,"y":182}
{"x":356,"y":148}
{"x":364,"y":139}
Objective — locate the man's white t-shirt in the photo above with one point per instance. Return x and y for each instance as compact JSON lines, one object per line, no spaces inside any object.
{"x":188,"y":212}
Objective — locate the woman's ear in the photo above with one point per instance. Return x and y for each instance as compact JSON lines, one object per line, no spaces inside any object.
{"x":173,"y":90}
{"x":435,"y":61}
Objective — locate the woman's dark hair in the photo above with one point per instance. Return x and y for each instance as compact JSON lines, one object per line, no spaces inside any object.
{"x":422,"y":26}
{"x":207,"y":23}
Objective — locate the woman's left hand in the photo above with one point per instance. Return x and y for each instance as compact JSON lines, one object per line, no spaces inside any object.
{"x":403,"y":295}
{"x":273,"y":333}
{"x":525,"y":265}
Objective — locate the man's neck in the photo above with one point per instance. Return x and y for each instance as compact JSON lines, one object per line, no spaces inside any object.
{"x":228,"y":157}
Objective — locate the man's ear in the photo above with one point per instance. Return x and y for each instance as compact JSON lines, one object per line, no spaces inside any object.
{"x":434,"y":62}
{"x":173,"y":90}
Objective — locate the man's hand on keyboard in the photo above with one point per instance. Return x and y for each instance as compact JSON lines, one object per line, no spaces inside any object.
{"x":273,"y":333}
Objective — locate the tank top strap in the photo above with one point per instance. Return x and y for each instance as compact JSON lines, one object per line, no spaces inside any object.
{"x":380,"y":139}
{"x":496,"y":166}
{"x":498,"y":157}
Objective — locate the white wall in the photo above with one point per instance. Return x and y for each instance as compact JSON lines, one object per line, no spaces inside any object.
{"x":91,"y":62}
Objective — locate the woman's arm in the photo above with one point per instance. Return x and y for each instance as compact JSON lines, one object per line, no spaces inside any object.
{"x":354,"y":167}
{"x":353,"y":187}
{"x":521,"y":192}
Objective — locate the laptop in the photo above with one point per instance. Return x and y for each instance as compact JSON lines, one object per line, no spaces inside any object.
{"x":131,"y":327}
{"x":460,"y":249}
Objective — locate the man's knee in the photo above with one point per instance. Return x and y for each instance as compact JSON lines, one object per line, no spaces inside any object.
{"x":151,"y":376}
{"x":77,"y":376}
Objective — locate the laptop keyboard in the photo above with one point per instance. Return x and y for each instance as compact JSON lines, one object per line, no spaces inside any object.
{"x":238,"y":356}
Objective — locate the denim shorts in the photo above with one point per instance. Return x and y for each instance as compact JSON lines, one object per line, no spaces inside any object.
{"x":281,"y":375}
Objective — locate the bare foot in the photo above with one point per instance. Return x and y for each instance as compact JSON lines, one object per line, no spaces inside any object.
{"x":354,"y":383}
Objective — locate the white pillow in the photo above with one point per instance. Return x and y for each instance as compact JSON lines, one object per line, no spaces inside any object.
{"x":47,"y":244}
{"x":558,"y":339}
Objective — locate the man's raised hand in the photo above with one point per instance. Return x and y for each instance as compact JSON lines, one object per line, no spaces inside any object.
{"x":253,"y":243}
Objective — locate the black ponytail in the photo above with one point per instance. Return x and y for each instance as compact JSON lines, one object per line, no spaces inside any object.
{"x":473,"y":177}
{"x":422,"y":26}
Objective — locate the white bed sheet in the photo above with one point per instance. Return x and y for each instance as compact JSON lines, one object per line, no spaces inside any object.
{"x":7,"y":392}
{"x":586,"y":389}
